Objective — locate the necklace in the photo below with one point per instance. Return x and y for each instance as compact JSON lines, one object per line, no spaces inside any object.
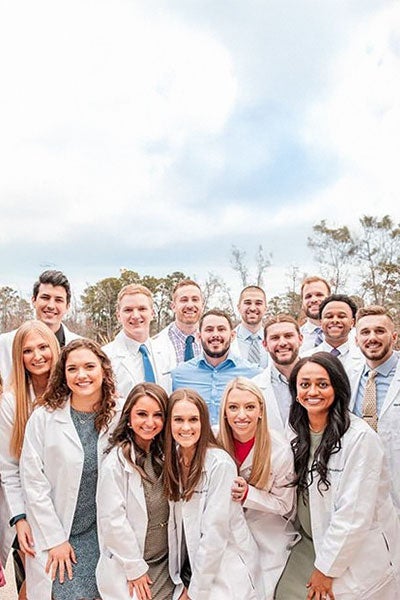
{"x":82,"y":416}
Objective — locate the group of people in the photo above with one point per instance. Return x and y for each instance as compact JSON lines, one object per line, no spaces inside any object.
{"x":209,"y":462}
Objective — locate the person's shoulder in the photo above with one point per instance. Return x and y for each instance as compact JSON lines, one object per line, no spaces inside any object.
{"x":7,"y":336}
{"x":217,"y":456}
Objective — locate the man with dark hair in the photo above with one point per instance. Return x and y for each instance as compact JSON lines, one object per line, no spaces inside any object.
{"x":337,"y":313}
{"x":282,"y":339}
{"x":376,"y":385}
{"x":252,"y":306}
{"x":51,"y":298}
{"x":209,"y":372}
{"x":179,"y":339}
{"x":313,"y":291}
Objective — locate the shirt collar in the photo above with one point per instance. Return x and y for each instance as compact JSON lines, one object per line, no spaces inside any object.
{"x":385,"y":368}
{"x":277,"y":375}
{"x":182,"y":336}
{"x":245,"y":333}
{"x":133,"y":345}
{"x":230,"y":359}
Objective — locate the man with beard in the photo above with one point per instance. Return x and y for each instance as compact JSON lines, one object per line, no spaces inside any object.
{"x":376,"y":386}
{"x":313,"y":291}
{"x":249,"y":333}
{"x":179,"y":339}
{"x":282,"y":339}
{"x":209,"y":372}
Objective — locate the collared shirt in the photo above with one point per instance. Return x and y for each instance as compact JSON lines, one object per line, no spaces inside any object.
{"x":281,"y":390}
{"x":137,"y":358}
{"x":350,"y":355}
{"x":178,"y":339}
{"x":309,"y":331}
{"x":383,"y":379}
{"x":244,"y":339}
{"x":209,"y":381}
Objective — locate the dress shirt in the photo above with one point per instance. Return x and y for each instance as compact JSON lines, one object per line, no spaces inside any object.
{"x":309,"y":331}
{"x":350,"y":355}
{"x":383,"y":379}
{"x":281,"y":390}
{"x":178,"y":339}
{"x":244,"y":340}
{"x":209,"y":381}
{"x":137,"y":358}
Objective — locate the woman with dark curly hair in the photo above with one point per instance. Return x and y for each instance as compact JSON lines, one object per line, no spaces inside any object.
{"x":132,"y":508}
{"x":350,"y":533}
{"x":63,"y":447}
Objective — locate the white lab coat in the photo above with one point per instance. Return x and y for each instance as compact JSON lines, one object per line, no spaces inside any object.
{"x":163,"y":343}
{"x":351,"y":358}
{"x":267,"y":511}
{"x":11,"y":497}
{"x":222,"y":553}
{"x":388,"y":428}
{"x":355,"y":528}
{"x":51,"y":469}
{"x":275,"y":421}
{"x":122,"y":518}
{"x":123,"y":367}
{"x":6,"y":342}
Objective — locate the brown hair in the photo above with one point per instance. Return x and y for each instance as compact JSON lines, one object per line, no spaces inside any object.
{"x":314,"y":279}
{"x":172,"y":476}
{"x":261,"y":465}
{"x":373,"y":310}
{"x":184,"y":283}
{"x":58,"y":391}
{"x":217,"y":313}
{"x":281,"y":318}
{"x":20,"y":380}
{"x":124,"y":437}
{"x":252,"y":287}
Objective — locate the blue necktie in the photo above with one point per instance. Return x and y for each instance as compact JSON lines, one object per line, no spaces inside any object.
{"x":189,"y":348}
{"x":335,"y":352}
{"x":319,"y":338}
{"x":147,"y":366}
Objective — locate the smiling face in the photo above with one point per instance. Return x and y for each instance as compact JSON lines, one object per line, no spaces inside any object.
{"x":187,"y":305}
{"x":252,"y":307}
{"x":135,"y":313}
{"x":242,"y":411}
{"x":36,"y":354}
{"x":336,"y":322}
{"x":84,"y":376}
{"x":283,"y":342}
{"x":313,"y":294}
{"x":314,"y":391}
{"x":376,"y":338}
{"x":216,"y":336}
{"x":146,"y":420}
{"x":50,"y":305}
{"x":185,"y":424}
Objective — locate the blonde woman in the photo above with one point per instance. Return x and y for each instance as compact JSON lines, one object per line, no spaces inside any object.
{"x":265,"y":466}
{"x":35,"y":351}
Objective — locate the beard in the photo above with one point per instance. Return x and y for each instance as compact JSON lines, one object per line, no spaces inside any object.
{"x":285,"y":361}
{"x":219,"y":353}
{"x":314,"y":314}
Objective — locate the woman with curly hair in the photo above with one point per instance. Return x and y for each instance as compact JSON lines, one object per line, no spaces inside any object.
{"x":63,"y":448}
{"x":35,"y":351}
{"x":133,"y":511}
{"x":350,"y":532}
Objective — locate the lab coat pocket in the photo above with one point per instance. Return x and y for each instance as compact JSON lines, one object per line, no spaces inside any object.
{"x":111,"y":579}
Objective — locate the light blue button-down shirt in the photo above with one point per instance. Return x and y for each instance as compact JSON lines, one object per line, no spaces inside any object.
{"x":209,"y":381}
{"x":383,"y":379}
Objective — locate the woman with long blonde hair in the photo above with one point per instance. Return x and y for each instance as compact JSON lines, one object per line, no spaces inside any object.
{"x":35,"y":351}
{"x":265,"y":471}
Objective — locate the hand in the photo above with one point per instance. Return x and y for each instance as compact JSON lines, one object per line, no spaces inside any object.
{"x":61,"y":557}
{"x":24,"y":535}
{"x":184,"y":595}
{"x":320,"y":586}
{"x":239,"y":489}
{"x":141,"y":586}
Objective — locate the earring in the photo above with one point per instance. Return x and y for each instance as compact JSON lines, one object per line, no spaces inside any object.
{"x":260,"y":417}
{"x":297,"y":399}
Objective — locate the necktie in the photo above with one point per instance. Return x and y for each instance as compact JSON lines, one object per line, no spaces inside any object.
{"x":335,"y":352}
{"x":189,"y":348}
{"x":147,"y":366}
{"x":369,"y":413}
{"x":254,"y":350}
{"x":319,"y":338}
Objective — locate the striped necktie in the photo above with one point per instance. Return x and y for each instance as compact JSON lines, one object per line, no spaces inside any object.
{"x":254,"y":354}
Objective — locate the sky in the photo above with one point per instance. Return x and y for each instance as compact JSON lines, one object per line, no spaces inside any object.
{"x":154,"y":135}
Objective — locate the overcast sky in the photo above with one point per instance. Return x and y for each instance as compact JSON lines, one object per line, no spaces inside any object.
{"x":153,"y":135}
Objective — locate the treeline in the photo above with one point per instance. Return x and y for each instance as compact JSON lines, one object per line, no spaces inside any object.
{"x":364,"y":263}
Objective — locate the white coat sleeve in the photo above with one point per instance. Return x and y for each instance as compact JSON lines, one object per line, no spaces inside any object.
{"x":9,"y":468}
{"x":279,"y":498}
{"x":42,"y":516}
{"x":115,"y":531}
{"x":214,"y":528}
{"x":354,"y":504}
